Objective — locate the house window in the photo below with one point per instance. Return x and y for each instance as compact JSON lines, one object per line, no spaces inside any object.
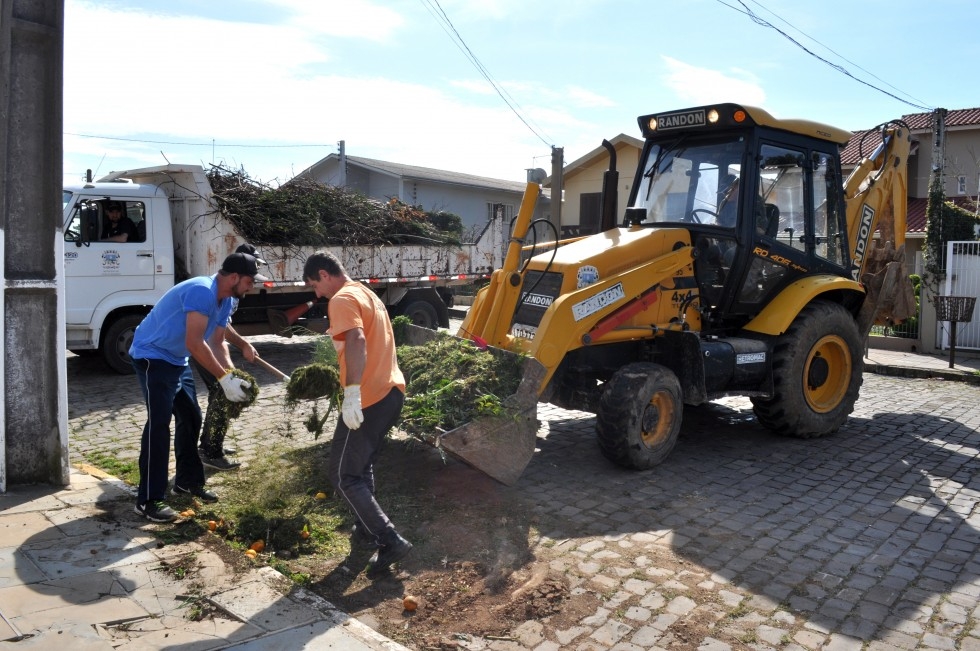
{"x":589,"y":212}
{"x":960,"y":185}
{"x":504,"y":210}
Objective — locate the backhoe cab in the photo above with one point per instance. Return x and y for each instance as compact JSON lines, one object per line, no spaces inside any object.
{"x":736,"y":270}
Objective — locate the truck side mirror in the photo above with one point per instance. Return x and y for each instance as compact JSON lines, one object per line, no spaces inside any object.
{"x":635,"y":215}
{"x":88,"y":224}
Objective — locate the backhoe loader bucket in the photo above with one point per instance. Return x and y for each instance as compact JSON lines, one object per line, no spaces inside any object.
{"x":498,"y":446}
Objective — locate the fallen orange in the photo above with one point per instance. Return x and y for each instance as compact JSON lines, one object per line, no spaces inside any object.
{"x":410,"y":603}
{"x":257,"y":546}
{"x":251,"y":553}
{"x":320,"y":496}
{"x":212,"y":525}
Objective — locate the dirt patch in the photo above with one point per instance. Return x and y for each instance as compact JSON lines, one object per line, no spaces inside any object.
{"x":476,"y":568}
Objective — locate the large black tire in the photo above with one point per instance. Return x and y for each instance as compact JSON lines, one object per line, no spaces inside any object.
{"x":116,"y":342}
{"x":639,"y":417}
{"x":817,"y":367}
{"x":422,"y":313}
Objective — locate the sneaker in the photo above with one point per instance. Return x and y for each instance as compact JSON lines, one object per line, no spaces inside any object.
{"x":218,"y":463}
{"x":200,"y":492}
{"x":391,"y":551}
{"x":361,"y":539}
{"x":156,"y":511}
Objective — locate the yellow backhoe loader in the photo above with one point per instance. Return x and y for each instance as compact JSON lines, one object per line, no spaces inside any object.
{"x":744,"y":265}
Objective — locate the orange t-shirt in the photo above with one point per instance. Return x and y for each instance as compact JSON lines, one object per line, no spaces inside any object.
{"x":356,"y":306}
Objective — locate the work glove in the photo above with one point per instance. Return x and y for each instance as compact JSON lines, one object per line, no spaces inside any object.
{"x":351,"y":410}
{"x":234,"y":387}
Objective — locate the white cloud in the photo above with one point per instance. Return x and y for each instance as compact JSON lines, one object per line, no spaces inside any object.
{"x":343,"y":18}
{"x":696,"y":85}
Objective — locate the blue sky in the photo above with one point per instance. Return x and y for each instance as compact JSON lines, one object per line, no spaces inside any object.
{"x":236,"y":80}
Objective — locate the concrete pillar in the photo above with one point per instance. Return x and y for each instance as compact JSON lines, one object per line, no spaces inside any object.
{"x":34,"y":414}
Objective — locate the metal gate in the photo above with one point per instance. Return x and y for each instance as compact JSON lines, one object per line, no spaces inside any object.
{"x":962,"y":279}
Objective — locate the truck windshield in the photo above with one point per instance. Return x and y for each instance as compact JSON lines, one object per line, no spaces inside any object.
{"x":690,"y":181}
{"x":66,"y":196}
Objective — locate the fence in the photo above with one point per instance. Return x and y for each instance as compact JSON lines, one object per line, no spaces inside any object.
{"x":962,"y":279}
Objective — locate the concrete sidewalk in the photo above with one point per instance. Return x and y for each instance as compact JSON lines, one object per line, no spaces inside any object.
{"x":79,"y":569}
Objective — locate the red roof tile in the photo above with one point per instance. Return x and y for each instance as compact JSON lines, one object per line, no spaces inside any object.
{"x":954,"y":118}
{"x":916,"y":220}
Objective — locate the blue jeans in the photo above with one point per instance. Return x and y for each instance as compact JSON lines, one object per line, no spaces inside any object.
{"x":168,"y":392}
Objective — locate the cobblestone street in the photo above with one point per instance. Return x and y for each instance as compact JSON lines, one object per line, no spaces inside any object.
{"x":741,"y":539}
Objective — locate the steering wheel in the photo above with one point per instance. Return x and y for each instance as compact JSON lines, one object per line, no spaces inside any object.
{"x":697,"y":220}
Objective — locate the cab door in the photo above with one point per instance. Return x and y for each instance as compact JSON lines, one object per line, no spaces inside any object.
{"x":100,"y":272}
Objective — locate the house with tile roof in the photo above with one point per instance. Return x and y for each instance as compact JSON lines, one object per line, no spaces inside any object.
{"x":961,"y":176}
{"x":582,"y":181}
{"x":474,"y":198}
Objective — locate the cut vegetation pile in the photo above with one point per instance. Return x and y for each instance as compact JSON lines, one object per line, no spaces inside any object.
{"x":304,"y":212}
{"x":451,"y":382}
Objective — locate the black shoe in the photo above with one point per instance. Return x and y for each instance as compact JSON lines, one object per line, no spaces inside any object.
{"x":230,"y":452}
{"x":393,"y":549}
{"x":200,"y":492}
{"x":361,"y":539}
{"x":156,"y":511}
{"x":218,"y":463}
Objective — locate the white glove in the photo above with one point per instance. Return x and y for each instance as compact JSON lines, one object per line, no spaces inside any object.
{"x":234,"y":387}
{"x":351,"y":410}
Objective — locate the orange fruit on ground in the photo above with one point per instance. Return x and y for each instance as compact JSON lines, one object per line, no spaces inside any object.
{"x":257,"y":546}
{"x":410,"y":603}
{"x":251,"y":553}
{"x":189,"y":513}
{"x":304,"y":534}
{"x":320,"y":496}
{"x":212,"y":525}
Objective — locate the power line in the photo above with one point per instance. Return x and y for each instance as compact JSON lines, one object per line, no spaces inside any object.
{"x":835,"y":53}
{"x":188,"y":144}
{"x":765,"y":23}
{"x":439,"y":14}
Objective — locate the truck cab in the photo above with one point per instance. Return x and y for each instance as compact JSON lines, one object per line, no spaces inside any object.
{"x":111,"y":285}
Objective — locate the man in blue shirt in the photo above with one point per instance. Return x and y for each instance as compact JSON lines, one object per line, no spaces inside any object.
{"x":189,"y":321}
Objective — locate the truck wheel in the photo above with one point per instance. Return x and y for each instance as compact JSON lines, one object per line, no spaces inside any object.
{"x":816,"y":371}
{"x":116,"y":342}
{"x":639,"y":415}
{"x":422,"y":314}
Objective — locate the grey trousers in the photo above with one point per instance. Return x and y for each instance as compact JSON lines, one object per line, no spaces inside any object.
{"x":352,"y":457}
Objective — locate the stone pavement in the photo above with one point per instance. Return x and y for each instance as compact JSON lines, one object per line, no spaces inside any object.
{"x":864,"y":539}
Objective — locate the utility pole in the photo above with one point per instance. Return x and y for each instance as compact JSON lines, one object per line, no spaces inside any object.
{"x":342,"y":177}
{"x":557,"y":183}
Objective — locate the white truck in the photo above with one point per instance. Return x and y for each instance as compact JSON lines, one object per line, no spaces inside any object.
{"x":110,"y":286}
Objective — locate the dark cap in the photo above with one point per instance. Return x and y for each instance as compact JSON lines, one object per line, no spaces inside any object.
{"x":242,"y":264}
{"x":249,"y":249}
{"x":113,"y":205}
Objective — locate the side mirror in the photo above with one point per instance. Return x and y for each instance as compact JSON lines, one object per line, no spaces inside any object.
{"x":635,"y":216}
{"x":89,"y":223}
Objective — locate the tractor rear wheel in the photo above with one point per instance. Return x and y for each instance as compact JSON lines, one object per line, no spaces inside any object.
{"x":639,"y":416}
{"x":817,"y":367}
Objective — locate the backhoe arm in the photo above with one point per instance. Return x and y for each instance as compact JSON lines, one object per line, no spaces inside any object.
{"x":876,"y":193}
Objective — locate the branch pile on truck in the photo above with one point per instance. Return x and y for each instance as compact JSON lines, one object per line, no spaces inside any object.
{"x":305,"y":212}
{"x":183,"y":227}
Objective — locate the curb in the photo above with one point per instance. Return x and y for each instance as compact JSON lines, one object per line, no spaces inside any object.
{"x":922,"y":373}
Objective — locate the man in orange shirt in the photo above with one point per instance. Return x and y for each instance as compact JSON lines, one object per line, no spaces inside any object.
{"x":374,"y":391}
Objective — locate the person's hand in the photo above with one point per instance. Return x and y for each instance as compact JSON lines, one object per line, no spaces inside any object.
{"x":249,"y":352}
{"x":234,"y":387}
{"x":351,"y":410}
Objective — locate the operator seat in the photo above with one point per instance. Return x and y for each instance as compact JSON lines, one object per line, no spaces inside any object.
{"x":768,"y":220}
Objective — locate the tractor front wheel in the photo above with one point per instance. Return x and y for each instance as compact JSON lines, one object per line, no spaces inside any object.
{"x":817,"y":367}
{"x":639,"y":416}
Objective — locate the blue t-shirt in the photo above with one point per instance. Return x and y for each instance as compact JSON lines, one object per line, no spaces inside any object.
{"x":163,"y":332}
